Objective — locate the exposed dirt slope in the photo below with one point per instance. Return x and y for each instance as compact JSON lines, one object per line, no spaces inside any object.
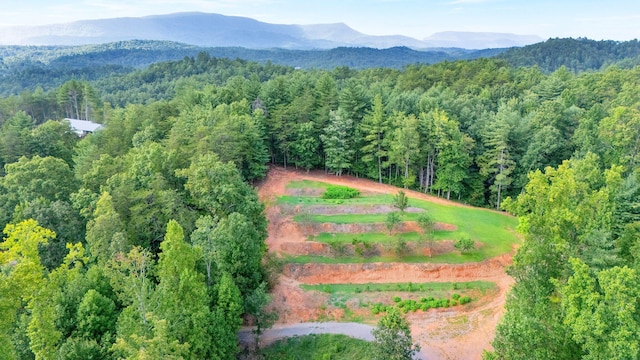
{"x":455,"y":333}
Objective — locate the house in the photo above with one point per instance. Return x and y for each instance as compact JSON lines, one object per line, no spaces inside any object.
{"x":83,"y":127}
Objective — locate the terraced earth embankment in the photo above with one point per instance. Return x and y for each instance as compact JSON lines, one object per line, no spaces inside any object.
{"x":345,"y":242}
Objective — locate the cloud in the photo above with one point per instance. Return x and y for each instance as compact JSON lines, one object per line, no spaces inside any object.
{"x":460,"y":2}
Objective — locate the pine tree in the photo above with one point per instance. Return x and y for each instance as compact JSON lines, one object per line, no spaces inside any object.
{"x":375,"y":127}
{"x":337,"y":143}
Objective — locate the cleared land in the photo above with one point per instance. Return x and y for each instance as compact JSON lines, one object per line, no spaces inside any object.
{"x":303,"y":227}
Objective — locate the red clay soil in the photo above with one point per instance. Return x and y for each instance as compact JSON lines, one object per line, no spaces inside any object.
{"x":456,"y":333}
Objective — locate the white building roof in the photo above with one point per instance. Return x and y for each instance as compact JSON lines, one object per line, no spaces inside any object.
{"x":82,"y":127}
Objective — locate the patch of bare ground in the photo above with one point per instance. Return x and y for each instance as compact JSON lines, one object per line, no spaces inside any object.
{"x":489,"y":270}
{"x":304,"y":191}
{"x":455,"y":333}
{"x":311,"y":228}
{"x":296,"y":305}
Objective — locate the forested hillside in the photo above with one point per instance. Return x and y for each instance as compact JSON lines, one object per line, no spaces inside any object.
{"x":27,"y":67}
{"x":575,"y":54}
{"x":100,"y":231}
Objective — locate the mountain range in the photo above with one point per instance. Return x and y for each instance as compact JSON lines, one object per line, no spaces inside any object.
{"x":215,"y":30}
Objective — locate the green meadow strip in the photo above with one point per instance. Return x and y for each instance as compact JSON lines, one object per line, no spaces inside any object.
{"x":396,"y":287}
{"x":307,"y":184}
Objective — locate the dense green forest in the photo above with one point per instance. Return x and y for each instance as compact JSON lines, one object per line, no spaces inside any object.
{"x":100,"y":231}
{"x":575,"y":54}
{"x":27,"y":67}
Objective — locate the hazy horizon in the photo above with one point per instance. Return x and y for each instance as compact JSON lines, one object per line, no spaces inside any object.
{"x":413,"y":18}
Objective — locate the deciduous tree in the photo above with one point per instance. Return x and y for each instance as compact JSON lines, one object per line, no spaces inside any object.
{"x":393,"y":338}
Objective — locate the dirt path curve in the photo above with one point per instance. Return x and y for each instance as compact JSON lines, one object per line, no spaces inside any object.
{"x":455,"y":333}
{"x":278,"y":177}
{"x":354,"y":330}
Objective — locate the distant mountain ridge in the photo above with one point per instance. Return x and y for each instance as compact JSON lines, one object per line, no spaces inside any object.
{"x":215,"y":30}
{"x":479,"y":40}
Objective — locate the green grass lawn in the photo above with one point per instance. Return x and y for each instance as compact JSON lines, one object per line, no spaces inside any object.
{"x":352,"y":218}
{"x":440,"y":287}
{"x":319,"y":347}
{"x":494,"y":230}
{"x":450,"y":258}
{"x":317,"y":200}
{"x":377,"y":238}
{"x":381,"y":238}
{"x":303,"y":184}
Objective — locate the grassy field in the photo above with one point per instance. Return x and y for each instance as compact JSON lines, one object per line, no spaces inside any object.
{"x":319,"y":347}
{"x":495,"y":231}
{"x":303,"y":184}
{"x":383,"y":237}
{"x":317,"y":200}
{"x":439,"y":288}
{"x":378,"y":238}
{"x":352,"y":218}
{"x":450,"y":258}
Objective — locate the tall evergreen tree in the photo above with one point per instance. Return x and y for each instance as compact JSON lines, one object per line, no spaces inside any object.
{"x":404,"y":147}
{"x":181,"y":293}
{"x":337,"y":143}
{"x":375,"y":128}
{"x":496,"y":162}
{"x":454,"y":158}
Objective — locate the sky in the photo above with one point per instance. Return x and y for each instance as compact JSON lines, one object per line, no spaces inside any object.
{"x":598,"y":20}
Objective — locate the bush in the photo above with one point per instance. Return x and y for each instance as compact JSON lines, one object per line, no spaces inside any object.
{"x":338,"y":249}
{"x":464,"y":244}
{"x":424,"y":304}
{"x":401,"y":249}
{"x":401,"y":201}
{"x":340,"y":192}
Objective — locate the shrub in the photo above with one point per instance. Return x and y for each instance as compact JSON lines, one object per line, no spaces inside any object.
{"x":338,"y":249}
{"x":401,"y":249}
{"x":363,"y":248}
{"x":393,"y":218}
{"x":464,"y":244}
{"x":455,"y":296}
{"x":401,"y":201}
{"x":396,"y":299}
{"x":340,"y":192}
{"x":378,"y":308}
{"x":465,"y":300}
